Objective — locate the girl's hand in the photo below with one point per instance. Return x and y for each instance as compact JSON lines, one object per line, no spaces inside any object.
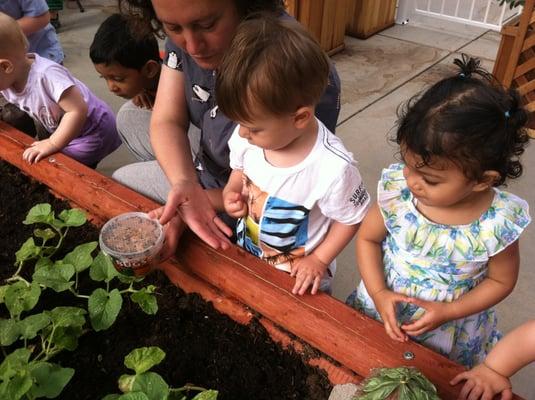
{"x":307,"y":270}
{"x":385,"y":301}
{"x":436,"y":313}
{"x":145,"y":99}
{"x":234,"y":204}
{"x":189,"y":200}
{"x":172,"y":230}
{"x":39,"y":150}
{"x":483,"y":383}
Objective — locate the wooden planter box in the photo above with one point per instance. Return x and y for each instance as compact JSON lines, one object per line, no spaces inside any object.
{"x":349,"y":343}
{"x":325,"y":19}
{"x":367,"y":17}
{"x":515,"y":61}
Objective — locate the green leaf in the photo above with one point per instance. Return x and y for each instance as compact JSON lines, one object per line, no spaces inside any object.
{"x":133,"y":396}
{"x":14,"y":362}
{"x":66,"y":337}
{"x":45,"y":234}
{"x":152,"y":385}
{"x":30,"y":326}
{"x":16,"y":387}
{"x":20,"y":297}
{"x":3,"y":290}
{"x":49,"y":379}
{"x":207,"y":395}
{"x":126,"y":382}
{"x":80,"y":257}
{"x":56,"y":277}
{"x":67,"y":316}
{"x":43,"y":262}
{"x":102,"y":268}
{"x":144,"y":358}
{"x":73,"y":217}
{"x":39,"y":213}
{"x":104,"y":308}
{"x":27,"y":251}
{"x":9,"y":332}
{"x":173,"y":395}
{"x":146,"y":301}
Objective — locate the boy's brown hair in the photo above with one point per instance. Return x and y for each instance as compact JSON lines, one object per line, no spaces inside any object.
{"x":273,"y":65}
{"x":11,"y":36}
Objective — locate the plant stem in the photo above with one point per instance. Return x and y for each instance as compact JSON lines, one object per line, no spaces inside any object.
{"x":187,"y":388}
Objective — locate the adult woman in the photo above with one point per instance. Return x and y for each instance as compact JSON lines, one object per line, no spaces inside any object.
{"x":198,"y":34}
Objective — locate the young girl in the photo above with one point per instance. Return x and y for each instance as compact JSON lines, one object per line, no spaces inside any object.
{"x":513,"y":352}
{"x":80,"y":125}
{"x":440,"y":247}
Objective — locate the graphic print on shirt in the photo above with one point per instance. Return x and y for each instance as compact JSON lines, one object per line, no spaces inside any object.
{"x":172,"y":61}
{"x":47,"y":119}
{"x":200,"y":93}
{"x":274,"y":229}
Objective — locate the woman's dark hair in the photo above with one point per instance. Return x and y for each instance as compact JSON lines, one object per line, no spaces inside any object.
{"x":468,"y":118}
{"x":144,"y":17}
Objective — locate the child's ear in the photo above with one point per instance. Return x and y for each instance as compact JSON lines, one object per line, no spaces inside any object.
{"x":151,"y":69}
{"x":302,"y":116}
{"x":488,"y":180}
{"x":6,"y":66}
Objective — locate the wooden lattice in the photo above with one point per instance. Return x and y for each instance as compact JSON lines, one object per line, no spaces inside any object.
{"x":515,"y":62}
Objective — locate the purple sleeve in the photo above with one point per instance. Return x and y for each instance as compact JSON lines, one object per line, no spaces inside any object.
{"x":33,"y":8}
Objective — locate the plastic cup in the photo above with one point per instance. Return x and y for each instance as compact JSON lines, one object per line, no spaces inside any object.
{"x":132,"y":240}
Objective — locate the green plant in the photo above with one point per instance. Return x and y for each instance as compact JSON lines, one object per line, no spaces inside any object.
{"x":403,"y":383}
{"x":512,"y":3}
{"x":26,"y":372}
{"x":148,"y":385}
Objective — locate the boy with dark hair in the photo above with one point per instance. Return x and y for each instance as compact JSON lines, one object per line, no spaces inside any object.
{"x":294,"y":186}
{"x":131,"y":66}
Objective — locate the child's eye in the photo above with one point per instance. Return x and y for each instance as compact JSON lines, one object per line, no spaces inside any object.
{"x":118,"y":79}
{"x":431,"y":183}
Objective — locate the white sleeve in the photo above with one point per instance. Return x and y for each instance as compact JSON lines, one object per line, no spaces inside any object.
{"x":237,"y":146}
{"x":57,"y":81}
{"x":347,"y":200}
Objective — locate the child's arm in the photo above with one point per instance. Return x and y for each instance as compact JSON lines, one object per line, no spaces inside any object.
{"x":31,"y":25}
{"x":232,"y":195}
{"x":370,"y":262}
{"x":500,"y":281}
{"x":309,"y":269}
{"x":71,"y":123}
{"x":514,"y":351}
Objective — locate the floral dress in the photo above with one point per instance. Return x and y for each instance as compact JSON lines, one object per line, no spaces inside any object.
{"x":439,"y":262}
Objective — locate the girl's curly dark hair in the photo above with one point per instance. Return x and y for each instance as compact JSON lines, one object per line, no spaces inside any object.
{"x":470,"y":119}
{"x":144,"y":18}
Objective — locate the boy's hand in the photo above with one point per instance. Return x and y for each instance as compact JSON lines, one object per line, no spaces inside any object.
{"x":385,"y":302}
{"x":39,"y":150}
{"x":483,"y":383}
{"x":308,"y":271}
{"x":234,"y":204}
{"x":144,"y":100}
{"x":436,"y":313}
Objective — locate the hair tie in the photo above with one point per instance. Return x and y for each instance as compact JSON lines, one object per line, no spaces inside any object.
{"x":507,"y":114}
{"x":462,"y":75}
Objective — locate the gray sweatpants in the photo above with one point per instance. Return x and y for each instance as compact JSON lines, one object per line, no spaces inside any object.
{"x":145,"y":176}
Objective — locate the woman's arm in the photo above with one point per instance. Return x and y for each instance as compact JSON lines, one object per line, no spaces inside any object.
{"x":514,"y":351}
{"x":31,"y":25}
{"x":75,"y":108}
{"x":169,"y":139}
{"x":500,"y":281}
{"x":371,"y":268}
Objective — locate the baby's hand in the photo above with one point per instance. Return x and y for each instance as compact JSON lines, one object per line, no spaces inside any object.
{"x":39,"y":150}
{"x":307,"y":270}
{"x":234,"y":204}
{"x":385,"y":301}
{"x":436,"y":313}
{"x":483,"y":383}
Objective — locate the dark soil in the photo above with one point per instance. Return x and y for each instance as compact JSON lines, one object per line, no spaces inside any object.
{"x":203,"y":347}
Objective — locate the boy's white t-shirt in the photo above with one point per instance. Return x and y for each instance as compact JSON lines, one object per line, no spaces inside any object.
{"x":293,"y":207}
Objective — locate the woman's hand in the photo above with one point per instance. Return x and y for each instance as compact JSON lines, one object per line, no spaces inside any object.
{"x":39,"y":150}
{"x":188,"y":200}
{"x":308,"y":271}
{"x":234,"y":204}
{"x":385,"y":302}
{"x":436,"y":313}
{"x":483,"y":383}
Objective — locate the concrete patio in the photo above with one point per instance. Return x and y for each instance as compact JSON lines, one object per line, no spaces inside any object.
{"x":377,"y":75}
